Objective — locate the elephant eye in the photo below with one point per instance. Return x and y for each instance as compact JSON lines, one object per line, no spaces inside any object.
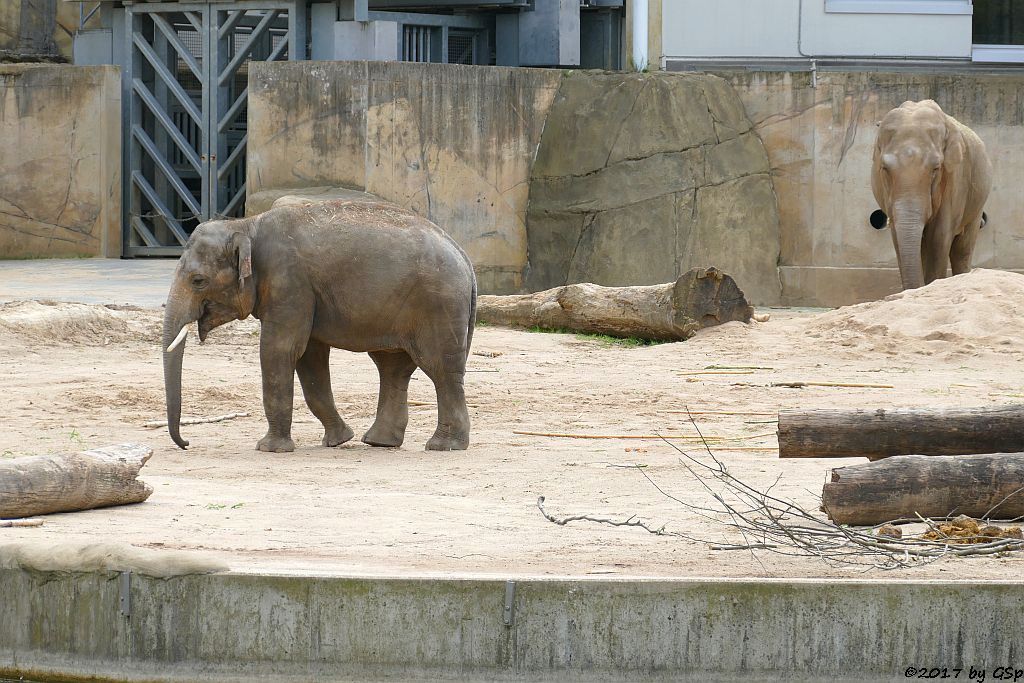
{"x":198,"y":281}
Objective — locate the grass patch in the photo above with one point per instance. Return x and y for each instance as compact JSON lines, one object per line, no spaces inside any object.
{"x":607,"y":340}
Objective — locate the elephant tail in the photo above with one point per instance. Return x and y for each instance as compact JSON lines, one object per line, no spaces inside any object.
{"x":472,"y":316}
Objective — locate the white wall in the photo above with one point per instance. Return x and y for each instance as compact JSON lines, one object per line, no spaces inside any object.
{"x":771,"y":28}
{"x":729,"y":28}
{"x":843,"y":34}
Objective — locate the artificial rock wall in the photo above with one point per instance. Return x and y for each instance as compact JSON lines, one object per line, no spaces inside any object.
{"x":543,"y":176}
{"x":60,"y":161}
{"x":640,"y":177}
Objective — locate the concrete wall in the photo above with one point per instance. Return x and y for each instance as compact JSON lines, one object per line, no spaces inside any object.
{"x":60,"y":161}
{"x":453,"y":143}
{"x":236,"y":627}
{"x":775,"y":28}
{"x":637,"y":177}
{"x":820,"y":140}
{"x":40,"y":27}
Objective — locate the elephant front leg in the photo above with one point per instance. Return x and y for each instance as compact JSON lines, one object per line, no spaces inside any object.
{"x":395,"y":369}
{"x":314,"y":373}
{"x":935,"y":248}
{"x":279,"y":352}
{"x":963,"y":247}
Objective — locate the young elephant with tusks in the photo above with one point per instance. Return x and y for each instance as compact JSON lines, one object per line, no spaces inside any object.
{"x":931,"y":176}
{"x":356,"y":275}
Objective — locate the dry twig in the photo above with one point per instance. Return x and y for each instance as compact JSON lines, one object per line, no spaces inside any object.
{"x":770,"y":523}
{"x":30,"y":521}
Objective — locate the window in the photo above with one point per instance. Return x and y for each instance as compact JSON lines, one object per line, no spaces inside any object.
{"x":899,"y":6}
{"x":998,"y":31}
{"x":998,"y":22}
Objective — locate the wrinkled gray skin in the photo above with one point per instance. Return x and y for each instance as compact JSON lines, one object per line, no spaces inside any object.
{"x":931,"y":177}
{"x":360,"y":276}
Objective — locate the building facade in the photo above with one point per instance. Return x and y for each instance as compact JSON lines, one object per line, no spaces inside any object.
{"x":692,"y":33}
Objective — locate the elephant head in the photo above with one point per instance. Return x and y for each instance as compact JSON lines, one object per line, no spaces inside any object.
{"x":213,"y":284}
{"x":918,"y":153}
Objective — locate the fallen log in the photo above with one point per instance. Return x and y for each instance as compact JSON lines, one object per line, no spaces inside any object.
{"x":702,"y":297}
{"x":875,"y":434}
{"x":981,"y":486}
{"x":100,"y":477}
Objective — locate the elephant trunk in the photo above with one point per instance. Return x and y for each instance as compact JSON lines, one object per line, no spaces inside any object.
{"x":908,"y":230}
{"x":180,"y":311}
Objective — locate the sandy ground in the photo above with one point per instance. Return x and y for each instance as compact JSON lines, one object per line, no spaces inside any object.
{"x":75,"y":376}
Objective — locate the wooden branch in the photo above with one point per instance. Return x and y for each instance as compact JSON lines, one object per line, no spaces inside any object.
{"x":845,"y":385}
{"x":876,"y":434}
{"x":980,"y":486}
{"x":669,"y":312}
{"x":7,"y":523}
{"x":198,"y":420}
{"x":666,"y":436}
{"x":100,"y":477}
{"x":719,"y":412}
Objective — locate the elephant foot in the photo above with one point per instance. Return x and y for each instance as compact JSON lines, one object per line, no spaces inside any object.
{"x":447,"y":442}
{"x":335,"y":436}
{"x":378,"y":435}
{"x":275,"y":444}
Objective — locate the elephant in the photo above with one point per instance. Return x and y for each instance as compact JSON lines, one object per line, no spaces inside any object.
{"x":362,"y":276}
{"x":931,"y":177}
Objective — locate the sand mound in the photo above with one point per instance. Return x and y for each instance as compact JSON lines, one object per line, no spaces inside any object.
{"x":63,"y":323}
{"x":978,"y":310}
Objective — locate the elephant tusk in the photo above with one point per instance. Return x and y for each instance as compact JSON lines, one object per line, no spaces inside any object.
{"x":177,"y":340}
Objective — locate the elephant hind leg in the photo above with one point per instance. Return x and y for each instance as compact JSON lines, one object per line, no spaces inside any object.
{"x":962,"y":249}
{"x":314,"y":371}
{"x":395,"y":369}
{"x":447,"y":372}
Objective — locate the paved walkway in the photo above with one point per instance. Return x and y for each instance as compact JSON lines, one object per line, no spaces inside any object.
{"x":138,"y":282}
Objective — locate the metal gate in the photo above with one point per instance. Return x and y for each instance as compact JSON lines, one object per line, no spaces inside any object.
{"x":185,"y":86}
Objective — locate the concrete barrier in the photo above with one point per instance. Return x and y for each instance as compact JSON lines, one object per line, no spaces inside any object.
{"x":235,"y":627}
{"x":60,"y":161}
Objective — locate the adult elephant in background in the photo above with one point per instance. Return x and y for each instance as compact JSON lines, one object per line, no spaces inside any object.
{"x":931,"y":175}
{"x":356,"y":275}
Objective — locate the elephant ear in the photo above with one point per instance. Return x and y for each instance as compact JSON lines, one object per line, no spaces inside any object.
{"x":953,"y":151}
{"x":242,"y":246}
{"x":952,"y":163}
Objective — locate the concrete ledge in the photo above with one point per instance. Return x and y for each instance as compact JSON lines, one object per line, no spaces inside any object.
{"x":235,"y":627}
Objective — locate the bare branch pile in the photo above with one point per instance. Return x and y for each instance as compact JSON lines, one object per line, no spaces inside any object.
{"x":768,"y":522}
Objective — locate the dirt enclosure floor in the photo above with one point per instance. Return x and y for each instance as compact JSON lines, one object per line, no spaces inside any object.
{"x":75,"y":376}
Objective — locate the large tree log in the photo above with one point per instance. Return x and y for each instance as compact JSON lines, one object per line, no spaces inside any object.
{"x":99,"y":477}
{"x":876,"y":434}
{"x":980,"y":486}
{"x":669,"y":312}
